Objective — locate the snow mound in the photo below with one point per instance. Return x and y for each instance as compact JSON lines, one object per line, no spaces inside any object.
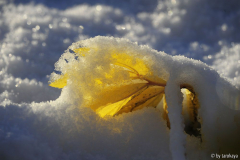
{"x":34,"y":34}
{"x":90,"y":67}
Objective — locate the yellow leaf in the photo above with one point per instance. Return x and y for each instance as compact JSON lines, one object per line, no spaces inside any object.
{"x":98,"y":81}
{"x":143,"y":98}
{"x":191,"y":104}
{"x":136,"y":65}
{"x":81,"y":51}
{"x":129,"y":84}
{"x":60,"y":82}
{"x":114,"y":94}
{"x":112,"y":109}
{"x":152,"y":102}
{"x":165,"y":113}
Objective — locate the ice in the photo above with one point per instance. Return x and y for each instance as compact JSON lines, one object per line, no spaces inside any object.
{"x":41,"y":122}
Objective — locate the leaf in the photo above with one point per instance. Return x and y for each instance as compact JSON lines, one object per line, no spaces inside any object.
{"x":114,"y":94}
{"x":112,"y":109}
{"x":138,"y":90}
{"x":152,"y":102}
{"x":134,"y":64}
{"x":82,"y":51}
{"x":60,"y":82}
{"x":143,"y":99}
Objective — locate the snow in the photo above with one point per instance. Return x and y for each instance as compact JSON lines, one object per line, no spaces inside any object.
{"x":41,"y":122}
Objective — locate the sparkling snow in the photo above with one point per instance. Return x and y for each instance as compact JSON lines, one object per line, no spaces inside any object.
{"x":36,"y":120}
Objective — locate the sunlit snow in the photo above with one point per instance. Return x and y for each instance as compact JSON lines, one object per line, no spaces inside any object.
{"x":41,"y":122}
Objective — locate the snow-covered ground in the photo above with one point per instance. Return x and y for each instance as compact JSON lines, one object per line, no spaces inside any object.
{"x":33,"y":36}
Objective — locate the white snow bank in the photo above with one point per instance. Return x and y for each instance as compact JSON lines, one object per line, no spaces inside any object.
{"x":55,"y":130}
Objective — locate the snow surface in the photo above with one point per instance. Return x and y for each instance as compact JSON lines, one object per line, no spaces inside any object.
{"x":37,"y":121}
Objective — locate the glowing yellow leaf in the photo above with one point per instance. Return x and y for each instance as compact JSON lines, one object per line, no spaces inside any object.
{"x":98,"y":81}
{"x":107,"y":75}
{"x":127,"y":85}
{"x":190,"y":103}
{"x":60,"y":82}
{"x":132,"y":70}
{"x":113,"y":108}
{"x":152,"y":102}
{"x":165,"y":113}
{"x":81,"y":51}
{"x":165,"y":104}
{"x":114,"y":94}
{"x":145,"y":95}
{"x":141,"y":99}
{"x":136,"y":74}
{"x":136,"y":65}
